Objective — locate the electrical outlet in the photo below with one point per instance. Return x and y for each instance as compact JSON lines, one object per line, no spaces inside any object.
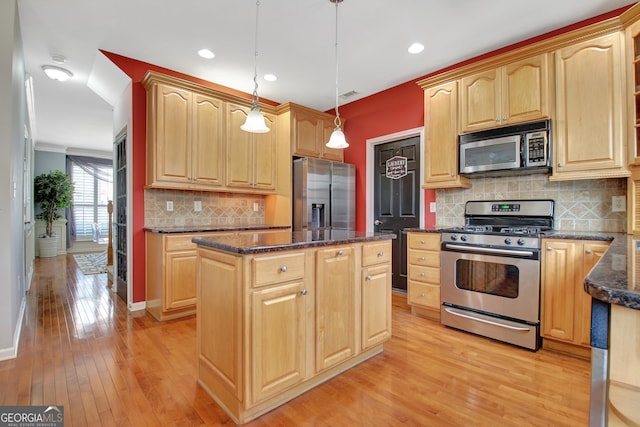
{"x":432,"y":206}
{"x":197,"y":205}
{"x":256,"y":206}
{"x":618,"y":204}
{"x":169,"y":206}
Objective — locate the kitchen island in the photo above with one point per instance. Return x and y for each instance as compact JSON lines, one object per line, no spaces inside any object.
{"x":280,"y":312}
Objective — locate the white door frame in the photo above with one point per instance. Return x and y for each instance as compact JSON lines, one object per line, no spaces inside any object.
{"x":371,"y":143}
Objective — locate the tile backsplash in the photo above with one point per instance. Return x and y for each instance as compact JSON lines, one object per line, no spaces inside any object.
{"x":583,"y":205}
{"x":217,"y":208}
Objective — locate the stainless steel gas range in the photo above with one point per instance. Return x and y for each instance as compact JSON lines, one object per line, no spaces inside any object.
{"x":490,"y":270}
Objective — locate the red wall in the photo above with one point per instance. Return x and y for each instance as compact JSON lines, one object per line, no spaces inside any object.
{"x":393,"y":110}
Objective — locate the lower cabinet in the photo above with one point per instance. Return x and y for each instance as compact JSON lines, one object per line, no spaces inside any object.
{"x":565,"y":306}
{"x":273,"y":325}
{"x":423,"y":271}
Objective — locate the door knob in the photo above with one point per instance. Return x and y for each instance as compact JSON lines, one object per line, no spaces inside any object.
{"x":377,"y":222}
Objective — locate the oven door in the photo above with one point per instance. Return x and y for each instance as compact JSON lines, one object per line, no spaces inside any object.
{"x":497,"y":285}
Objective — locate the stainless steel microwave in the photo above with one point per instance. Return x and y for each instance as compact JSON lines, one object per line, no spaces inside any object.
{"x":520,"y":148}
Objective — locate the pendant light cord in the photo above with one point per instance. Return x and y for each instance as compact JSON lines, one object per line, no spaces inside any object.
{"x":255,"y":60}
{"x":337,"y":120}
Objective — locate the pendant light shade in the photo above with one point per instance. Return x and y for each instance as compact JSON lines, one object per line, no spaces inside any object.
{"x":255,"y":120}
{"x":337,"y":139}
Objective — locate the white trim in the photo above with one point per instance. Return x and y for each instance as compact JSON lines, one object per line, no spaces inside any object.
{"x":371,"y":143}
{"x":12,"y":352}
{"x":137,"y":306}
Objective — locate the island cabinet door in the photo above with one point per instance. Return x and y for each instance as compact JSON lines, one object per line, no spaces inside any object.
{"x":335,"y":306}
{"x":376,"y":305}
{"x":279,"y":339}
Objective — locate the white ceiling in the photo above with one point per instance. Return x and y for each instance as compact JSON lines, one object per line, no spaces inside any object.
{"x":296,"y":42}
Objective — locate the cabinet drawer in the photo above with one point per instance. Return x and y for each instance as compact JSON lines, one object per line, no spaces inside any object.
{"x":424,"y":258}
{"x":277,"y":268}
{"x":376,"y":253}
{"x":424,"y":295}
{"x":180,"y":242}
{"x":424,"y":274}
{"x":430,"y":241}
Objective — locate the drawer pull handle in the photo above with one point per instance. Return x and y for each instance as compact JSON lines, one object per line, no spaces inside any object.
{"x":588,"y":251}
{"x":340,"y":253}
{"x":422,"y":295}
{"x":368,"y":277}
{"x":303,"y":292}
{"x":283,"y":268}
{"x":380,"y":253}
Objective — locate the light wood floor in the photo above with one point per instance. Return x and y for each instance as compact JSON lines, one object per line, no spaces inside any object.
{"x":81,"y":348}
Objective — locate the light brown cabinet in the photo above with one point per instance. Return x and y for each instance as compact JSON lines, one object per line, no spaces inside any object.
{"x":514,"y":93}
{"x":441,"y":137}
{"x":273,"y":325}
{"x":632,"y":38}
{"x":589,"y":128}
{"x":423,"y":271}
{"x":310,"y":132}
{"x":251,"y":157}
{"x":185,"y":147}
{"x":566,"y":307}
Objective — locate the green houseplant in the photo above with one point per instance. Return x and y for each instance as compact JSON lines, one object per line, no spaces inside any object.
{"x":52,"y":191}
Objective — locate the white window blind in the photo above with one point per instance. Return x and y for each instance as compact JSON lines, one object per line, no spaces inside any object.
{"x":90,"y":197}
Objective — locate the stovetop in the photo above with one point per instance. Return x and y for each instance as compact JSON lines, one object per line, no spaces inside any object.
{"x":500,"y":229}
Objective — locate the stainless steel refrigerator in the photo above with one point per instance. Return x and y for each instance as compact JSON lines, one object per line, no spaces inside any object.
{"x":323,"y":195}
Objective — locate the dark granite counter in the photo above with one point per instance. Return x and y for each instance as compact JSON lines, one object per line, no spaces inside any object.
{"x":212,"y":228}
{"x":287,"y":240}
{"x":423,"y":230}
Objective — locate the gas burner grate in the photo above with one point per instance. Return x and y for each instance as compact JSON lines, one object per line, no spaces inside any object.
{"x":477,"y":228}
{"x":521,"y":230}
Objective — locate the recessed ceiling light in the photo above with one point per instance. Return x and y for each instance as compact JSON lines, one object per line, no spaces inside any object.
{"x":57,"y":73}
{"x":415,"y":48}
{"x":206,"y":53}
{"x":270,"y":77}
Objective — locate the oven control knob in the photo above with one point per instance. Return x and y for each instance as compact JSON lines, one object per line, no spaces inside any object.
{"x":463,"y":238}
{"x":454,"y":237}
{"x":507,"y":240}
{"x":521,"y":242}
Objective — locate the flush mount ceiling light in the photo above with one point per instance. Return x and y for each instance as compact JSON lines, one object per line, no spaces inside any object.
{"x":206,"y":53}
{"x":255,"y":120}
{"x":337,"y":139}
{"x":57,"y":73}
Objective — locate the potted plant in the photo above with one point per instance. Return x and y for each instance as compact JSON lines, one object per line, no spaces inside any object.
{"x":52,"y":191}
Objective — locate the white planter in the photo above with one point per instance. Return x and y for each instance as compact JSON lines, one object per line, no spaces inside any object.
{"x":48,"y":246}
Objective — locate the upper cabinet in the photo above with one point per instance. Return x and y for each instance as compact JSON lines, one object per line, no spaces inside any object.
{"x":589,"y":126}
{"x":514,"y":93}
{"x":633,"y":81}
{"x":310,"y":132}
{"x":185,"y":146}
{"x":194,"y":141}
{"x":251,"y":157}
{"x":441,"y":137}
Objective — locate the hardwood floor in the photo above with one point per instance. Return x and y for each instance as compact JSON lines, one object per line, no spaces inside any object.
{"x":81,"y":348}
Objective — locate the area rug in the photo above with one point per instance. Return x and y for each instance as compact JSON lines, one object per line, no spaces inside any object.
{"x":93,"y":263}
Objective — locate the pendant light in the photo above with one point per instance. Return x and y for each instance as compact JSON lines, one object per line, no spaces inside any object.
{"x":337,"y":139}
{"x":255,"y":120}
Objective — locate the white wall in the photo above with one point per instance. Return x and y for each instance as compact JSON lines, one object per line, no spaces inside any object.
{"x":12,"y":145}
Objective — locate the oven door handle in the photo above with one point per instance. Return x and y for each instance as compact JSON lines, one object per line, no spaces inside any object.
{"x":466,"y":316}
{"x":488,"y":250}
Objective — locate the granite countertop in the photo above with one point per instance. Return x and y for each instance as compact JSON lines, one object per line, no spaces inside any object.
{"x":287,"y":240}
{"x":211,"y":228}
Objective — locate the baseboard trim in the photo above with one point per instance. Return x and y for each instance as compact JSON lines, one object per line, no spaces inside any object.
{"x":137,"y":306}
{"x":12,"y":352}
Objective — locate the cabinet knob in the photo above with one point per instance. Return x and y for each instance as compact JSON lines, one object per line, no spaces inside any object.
{"x":422,"y":274}
{"x":340,"y":253}
{"x":549,"y":248}
{"x":422,"y":295}
{"x":588,"y":252}
{"x":368,"y":277}
{"x":380,"y":254}
{"x":497,"y":119}
{"x":422,"y":242}
{"x":422,"y":258}
{"x":504,"y":119}
{"x":303,"y":292}
{"x":560,"y":165}
{"x":283,"y":268}
{"x":453,"y":174}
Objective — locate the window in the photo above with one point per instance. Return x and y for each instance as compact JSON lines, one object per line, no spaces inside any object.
{"x":90,"y":197}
